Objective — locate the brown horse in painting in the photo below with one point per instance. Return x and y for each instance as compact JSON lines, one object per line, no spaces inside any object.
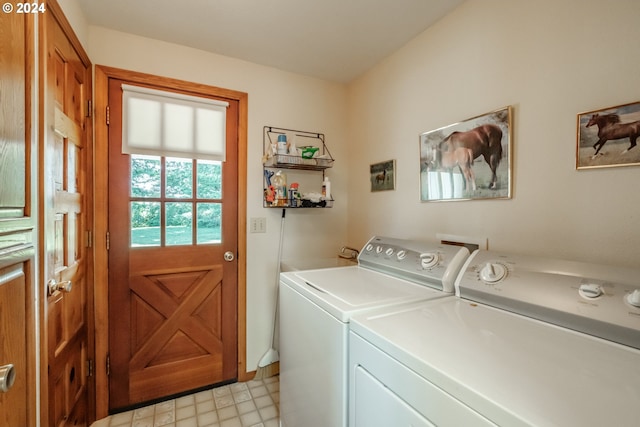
{"x":609,"y":127}
{"x":484,"y":140}
{"x":461,"y":157}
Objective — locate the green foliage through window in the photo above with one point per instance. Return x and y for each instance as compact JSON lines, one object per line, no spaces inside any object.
{"x":175,"y":202}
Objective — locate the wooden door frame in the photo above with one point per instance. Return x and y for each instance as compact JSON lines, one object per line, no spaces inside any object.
{"x":101,"y":220}
{"x":45,"y":124}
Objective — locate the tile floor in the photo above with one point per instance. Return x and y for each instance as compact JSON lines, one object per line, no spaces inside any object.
{"x":248,"y":404}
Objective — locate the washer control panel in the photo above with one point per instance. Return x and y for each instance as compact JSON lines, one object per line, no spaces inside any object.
{"x":427,"y":263}
{"x":599,"y":300}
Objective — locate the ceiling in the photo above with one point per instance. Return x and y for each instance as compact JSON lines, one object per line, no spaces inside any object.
{"x":335,"y":40}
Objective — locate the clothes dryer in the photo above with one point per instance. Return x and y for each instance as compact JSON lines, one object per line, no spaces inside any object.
{"x":529,"y":342}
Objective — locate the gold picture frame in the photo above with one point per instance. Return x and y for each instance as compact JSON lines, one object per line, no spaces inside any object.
{"x":468,"y":160}
{"x":607,"y":137}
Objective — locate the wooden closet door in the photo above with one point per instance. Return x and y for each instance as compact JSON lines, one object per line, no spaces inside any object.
{"x":66,"y":200}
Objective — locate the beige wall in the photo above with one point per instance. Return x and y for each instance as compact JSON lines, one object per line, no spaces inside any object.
{"x":276,"y":98}
{"x":549,"y":60}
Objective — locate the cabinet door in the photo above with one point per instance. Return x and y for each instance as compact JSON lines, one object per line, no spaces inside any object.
{"x":13,"y":112}
{"x":14,"y":346}
{"x":17,"y":288}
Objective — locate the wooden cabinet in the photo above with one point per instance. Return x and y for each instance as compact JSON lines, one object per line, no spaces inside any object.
{"x":32,"y":170}
{"x":17,"y":222}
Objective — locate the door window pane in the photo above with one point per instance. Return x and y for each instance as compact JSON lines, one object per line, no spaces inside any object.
{"x":179,"y":174}
{"x":209,"y":222}
{"x":209,"y":179}
{"x":145,"y":224}
{"x":179,"y":230}
{"x":145,"y":176}
{"x":163,"y":203}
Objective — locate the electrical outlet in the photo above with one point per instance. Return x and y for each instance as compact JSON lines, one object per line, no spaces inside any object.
{"x":258,"y":225}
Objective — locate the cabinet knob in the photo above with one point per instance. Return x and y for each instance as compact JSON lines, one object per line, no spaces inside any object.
{"x":7,"y":377}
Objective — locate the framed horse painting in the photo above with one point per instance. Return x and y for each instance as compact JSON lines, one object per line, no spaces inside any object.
{"x":608,"y":137}
{"x":468,"y":160}
{"x":383,"y":176}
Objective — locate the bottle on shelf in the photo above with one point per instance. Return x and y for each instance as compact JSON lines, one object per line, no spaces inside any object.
{"x":294,"y":195}
{"x":280,"y":183}
{"x":326,"y":188}
{"x":282,"y":144}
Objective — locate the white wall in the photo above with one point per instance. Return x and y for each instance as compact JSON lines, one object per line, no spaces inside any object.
{"x":548,"y":59}
{"x":76,"y":18}
{"x":276,"y":98}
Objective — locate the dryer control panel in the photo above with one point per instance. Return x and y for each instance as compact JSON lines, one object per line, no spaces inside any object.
{"x":428,"y":263}
{"x":599,"y":300}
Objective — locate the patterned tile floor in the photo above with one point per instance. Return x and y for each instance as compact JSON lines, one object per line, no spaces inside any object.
{"x":249,"y":404}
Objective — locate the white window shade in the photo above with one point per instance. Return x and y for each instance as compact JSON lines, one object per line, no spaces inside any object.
{"x":160,"y":123}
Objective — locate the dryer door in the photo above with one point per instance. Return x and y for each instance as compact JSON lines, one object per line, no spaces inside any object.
{"x":377,"y":406}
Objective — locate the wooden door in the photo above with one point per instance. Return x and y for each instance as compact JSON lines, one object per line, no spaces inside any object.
{"x":17,"y":221}
{"x":172,"y":295}
{"x":65,"y":203}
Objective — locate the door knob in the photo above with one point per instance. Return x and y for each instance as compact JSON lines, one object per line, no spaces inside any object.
{"x":7,"y":377}
{"x":53,"y":286}
{"x":229,"y":256}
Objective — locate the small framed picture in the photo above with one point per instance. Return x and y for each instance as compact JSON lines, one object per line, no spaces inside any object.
{"x":608,"y":137}
{"x":468,"y":160}
{"x":383,"y":176}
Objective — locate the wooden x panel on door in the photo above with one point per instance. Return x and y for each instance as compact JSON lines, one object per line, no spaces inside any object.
{"x":175,"y":330}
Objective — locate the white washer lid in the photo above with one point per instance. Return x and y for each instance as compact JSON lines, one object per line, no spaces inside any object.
{"x":346,"y":291}
{"x":512,"y":369}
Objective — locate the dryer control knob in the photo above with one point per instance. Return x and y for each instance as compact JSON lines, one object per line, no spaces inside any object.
{"x":493,"y":272}
{"x":590,"y":290}
{"x":429,"y":260}
{"x":634,"y":298}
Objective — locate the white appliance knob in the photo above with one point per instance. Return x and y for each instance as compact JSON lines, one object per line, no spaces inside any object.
{"x":402,"y":254}
{"x":590,"y":290}
{"x":428,"y":260}
{"x":492,"y":272}
{"x":379,"y":249}
{"x":389,"y":251}
{"x":634,"y":298}
{"x":369,"y":247}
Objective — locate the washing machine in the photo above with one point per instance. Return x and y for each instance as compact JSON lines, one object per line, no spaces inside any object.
{"x":316,"y":307}
{"x":527,"y":341}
